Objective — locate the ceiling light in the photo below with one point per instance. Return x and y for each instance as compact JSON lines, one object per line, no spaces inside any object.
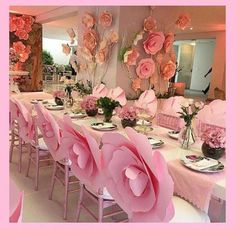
{"x":191,"y":28}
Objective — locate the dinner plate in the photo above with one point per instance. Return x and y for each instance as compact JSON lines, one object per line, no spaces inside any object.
{"x":155,"y":143}
{"x":143,"y":129}
{"x":202,"y":164}
{"x":102,"y":126}
{"x":173,"y":134}
{"x":54,"y":107}
{"x":145,"y":122}
{"x":35,"y":101}
{"x":77,"y":115}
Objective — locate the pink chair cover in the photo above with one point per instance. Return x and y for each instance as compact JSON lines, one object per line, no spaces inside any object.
{"x":118,"y":94}
{"x":83,"y":151}
{"x":13,"y":112}
{"x":137,"y":178}
{"x":148,"y":101}
{"x":51,"y":132}
{"x":16,"y":203}
{"x":100,"y":91}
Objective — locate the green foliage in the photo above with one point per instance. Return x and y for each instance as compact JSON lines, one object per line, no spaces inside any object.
{"x":122,"y":52}
{"x":47,"y":58}
{"x":107,"y":103}
{"x":68,"y":68}
{"x":82,"y":88}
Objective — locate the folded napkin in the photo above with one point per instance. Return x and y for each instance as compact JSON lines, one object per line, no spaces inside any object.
{"x":104,"y":126}
{"x":100,"y":91}
{"x":118,"y":94}
{"x":193,"y":186}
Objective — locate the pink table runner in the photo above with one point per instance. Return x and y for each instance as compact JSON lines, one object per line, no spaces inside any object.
{"x":193,"y":186}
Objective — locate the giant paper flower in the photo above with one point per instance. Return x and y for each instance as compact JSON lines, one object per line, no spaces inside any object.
{"x":88,"y":20}
{"x":183,"y":21}
{"x":105,"y":19}
{"x":22,"y":34}
{"x":168,"y":43}
{"x":145,"y":68}
{"x":130,"y":57}
{"x":150,"y":24}
{"x":101,"y":56}
{"x":137,"y":178}
{"x":168,"y":70}
{"x":136,"y":84}
{"x":154,"y":42}
{"x":90,"y":39}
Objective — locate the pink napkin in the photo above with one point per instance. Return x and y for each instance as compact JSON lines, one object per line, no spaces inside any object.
{"x":137,"y":179}
{"x":193,"y":186}
{"x":118,"y":94}
{"x":100,"y":91}
{"x":147,"y":101}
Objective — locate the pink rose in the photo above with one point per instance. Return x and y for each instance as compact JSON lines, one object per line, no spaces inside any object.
{"x":168,"y":44}
{"x":105,"y":19}
{"x":131,"y":56}
{"x":19,"y":22}
{"x":28,"y":20}
{"x":150,"y":24}
{"x":12,"y":24}
{"x":23,"y":57}
{"x":18,"y":46}
{"x":168,"y":70}
{"x":136,"y":84}
{"x":28,"y":28}
{"x":154,"y":42}
{"x":90,"y":39}
{"x":22,"y":34}
{"x":88,"y":20}
{"x":183,"y":21}
{"x":145,"y":68}
{"x":101,"y":56}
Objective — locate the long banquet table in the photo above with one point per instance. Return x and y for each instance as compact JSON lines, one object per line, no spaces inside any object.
{"x":171,"y":149}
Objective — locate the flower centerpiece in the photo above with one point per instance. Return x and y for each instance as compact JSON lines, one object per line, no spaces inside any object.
{"x":128,"y":116}
{"x":59,"y":96}
{"x":214,"y":142}
{"x":187,"y":136}
{"x":89,"y":104}
{"x":108,"y":105}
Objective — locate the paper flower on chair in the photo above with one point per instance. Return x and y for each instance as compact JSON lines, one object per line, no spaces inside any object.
{"x":137,"y":178}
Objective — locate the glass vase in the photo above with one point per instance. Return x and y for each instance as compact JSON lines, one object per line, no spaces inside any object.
{"x":187,"y":136}
{"x":108,"y":113}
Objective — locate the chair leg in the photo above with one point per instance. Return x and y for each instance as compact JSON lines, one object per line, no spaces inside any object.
{"x":66,"y":191}
{"x":29,"y":161}
{"x":53,"y":180}
{"x":20,"y":154}
{"x":79,"y":207}
{"x":100,"y":209}
{"x":12,"y":144}
{"x":37,"y":170}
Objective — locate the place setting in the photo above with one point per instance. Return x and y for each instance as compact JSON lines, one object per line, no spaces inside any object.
{"x":103,"y":126}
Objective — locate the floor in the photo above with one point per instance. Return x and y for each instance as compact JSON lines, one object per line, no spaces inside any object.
{"x":37,"y":207}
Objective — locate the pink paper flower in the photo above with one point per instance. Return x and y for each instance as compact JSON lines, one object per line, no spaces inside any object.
{"x":131,"y":56}
{"x":19,"y":22}
{"x":214,"y":137}
{"x":150,"y":24}
{"x":113,"y":37}
{"x":145,"y":68}
{"x":90,"y":39}
{"x":89,"y":103}
{"x":183,"y":21}
{"x":22,"y":34}
{"x":12,"y":23}
{"x":136,"y":84}
{"x":101,"y":56}
{"x":168,"y":70}
{"x":168,"y":43}
{"x":127,"y":112}
{"x":28,"y":20}
{"x":88,"y":20}
{"x":105,"y":19}
{"x":19,"y":47}
{"x":154,"y":42}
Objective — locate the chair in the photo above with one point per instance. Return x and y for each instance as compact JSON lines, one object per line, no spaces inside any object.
{"x":85,"y":157}
{"x":52,"y":135}
{"x":167,"y":116}
{"x":138,"y":180}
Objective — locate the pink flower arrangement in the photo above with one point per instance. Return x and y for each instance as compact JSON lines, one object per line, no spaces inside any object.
{"x":145,"y":68}
{"x":214,"y":137}
{"x":89,"y":103}
{"x":127,"y":112}
{"x":183,"y":21}
{"x":59,"y":94}
{"x":154,"y":42}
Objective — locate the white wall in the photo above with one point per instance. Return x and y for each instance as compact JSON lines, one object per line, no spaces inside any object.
{"x":203,"y":60}
{"x":55,"y":48}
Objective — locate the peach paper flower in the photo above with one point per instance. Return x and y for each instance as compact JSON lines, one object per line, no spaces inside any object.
{"x":168,"y":70}
{"x":145,"y":68}
{"x":114,"y":37}
{"x":183,"y":21}
{"x":136,"y":84}
{"x":105,"y":19}
{"x":150,"y":24}
{"x":101,"y":56}
{"x":90,"y":39}
{"x":130,"y":57}
{"x":88,"y":20}
{"x":19,"y":47}
{"x":19,"y":22}
{"x":28,"y":20}
{"x":22,"y":34}
{"x":168,"y":44}
{"x":12,"y":23}
{"x":154,"y":42}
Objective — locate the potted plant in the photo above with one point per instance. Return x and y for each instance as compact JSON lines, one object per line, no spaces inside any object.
{"x":128,"y":115}
{"x":214,"y":143}
{"x":108,"y":105}
{"x":89,"y":103}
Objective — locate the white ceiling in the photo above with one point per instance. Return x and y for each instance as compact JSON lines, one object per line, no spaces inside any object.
{"x":204,"y":18}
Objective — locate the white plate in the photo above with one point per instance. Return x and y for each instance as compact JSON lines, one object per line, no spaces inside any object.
{"x":54,"y":107}
{"x":155,"y":143}
{"x":202,"y":164}
{"x":173,"y":134}
{"x":102,"y":126}
{"x":77,"y":115}
{"x":35,"y":101}
{"x":145,"y":122}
